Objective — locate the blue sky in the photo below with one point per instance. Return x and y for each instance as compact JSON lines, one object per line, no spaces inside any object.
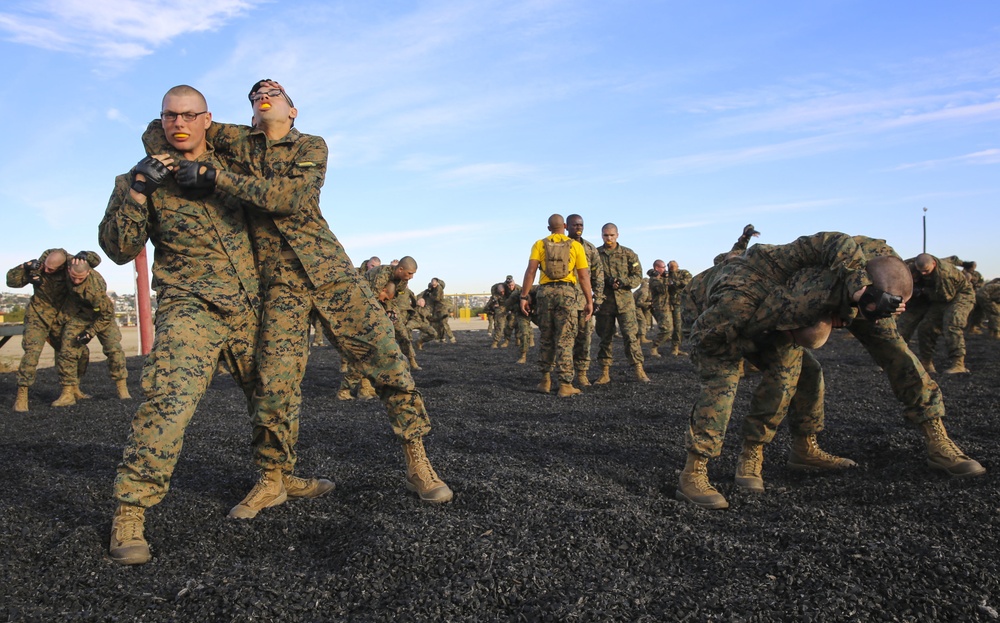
{"x":456,"y":128}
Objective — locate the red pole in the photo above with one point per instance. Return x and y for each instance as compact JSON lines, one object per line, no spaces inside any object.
{"x":144,"y":311}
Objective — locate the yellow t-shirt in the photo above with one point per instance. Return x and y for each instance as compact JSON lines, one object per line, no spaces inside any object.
{"x":577,"y":257}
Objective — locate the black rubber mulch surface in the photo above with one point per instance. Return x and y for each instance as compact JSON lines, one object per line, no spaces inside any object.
{"x":564,"y":508}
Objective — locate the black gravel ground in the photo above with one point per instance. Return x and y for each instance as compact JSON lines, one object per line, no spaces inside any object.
{"x":564,"y":509}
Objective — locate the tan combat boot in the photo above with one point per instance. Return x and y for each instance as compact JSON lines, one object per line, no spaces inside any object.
{"x":128,"y":545}
{"x":413,"y":363}
{"x":79,"y":394}
{"x":749,"y":467}
{"x":957,"y":367}
{"x":303,"y":488}
{"x":67,"y":398}
{"x":694,"y":486}
{"x":581,"y":378}
{"x":366,"y":391}
{"x":677,"y":352}
{"x":269,"y":491}
{"x":566,"y":390}
{"x":654,"y":352}
{"x":421,"y":477}
{"x":122,"y":388}
{"x":21,"y":402}
{"x":546,"y":385}
{"x":503,"y":344}
{"x":495,"y":344}
{"x":523,"y":358}
{"x":944,"y":455}
{"x":928,"y":365}
{"x":806,"y":455}
{"x":605,"y":377}
{"x":344,"y":394}
{"x":640,"y":374}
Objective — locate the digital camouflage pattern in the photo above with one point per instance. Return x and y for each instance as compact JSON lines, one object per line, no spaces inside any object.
{"x":43,"y":319}
{"x":585,"y":329}
{"x":661,"y":309}
{"x":618,"y":306}
{"x":89,"y":309}
{"x":722,"y":334}
{"x":439,"y":310}
{"x":677,"y":281}
{"x":989,"y":298}
{"x":306,"y":274}
{"x":643,"y":308}
{"x":398,"y":307}
{"x":943,"y":301}
{"x":207,"y":300}
{"x":522,"y":323}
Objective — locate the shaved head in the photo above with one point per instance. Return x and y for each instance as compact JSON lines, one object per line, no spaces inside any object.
{"x":890,"y":274}
{"x":54,"y":261}
{"x":925,"y":262}
{"x":408,"y":263}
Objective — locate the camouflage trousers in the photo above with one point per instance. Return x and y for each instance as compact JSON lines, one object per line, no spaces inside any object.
{"x":990,"y":310}
{"x":358,"y":328}
{"x":677,"y":325}
{"x":522,"y":331}
{"x":37,"y":331}
{"x":625,"y":318}
{"x":643,"y":320}
{"x":427,"y":332}
{"x":558,"y":306}
{"x":911,"y":384}
{"x":791,"y":386}
{"x":503,"y":326}
{"x":581,"y":345}
{"x":950,"y":319}
{"x":191,"y":338}
{"x":72,"y":353}
{"x":664,"y":326}
{"x":442,"y":328}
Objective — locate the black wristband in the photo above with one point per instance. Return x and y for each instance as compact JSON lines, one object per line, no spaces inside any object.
{"x":525,"y":298}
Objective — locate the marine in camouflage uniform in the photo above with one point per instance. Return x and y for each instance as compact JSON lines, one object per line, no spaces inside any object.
{"x":659,"y":296}
{"x":440,"y":309}
{"x":208,"y":297}
{"x":643,"y":310}
{"x":746,"y":298}
{"x":90,"y":313}
{"x":563,"y":263}
{"x":501,"y":316}
{"x":677,"y":279}
{"x":988,"y":298}
{"x":585,"y":326}
{"x":945,"y":300}
{"x":421,"y":321}
{"x":522,"y":323}
{"x":43,"y":319}
{"x":399,"y":305}
{"x":622,"y":273}
{"x":278,"y":172}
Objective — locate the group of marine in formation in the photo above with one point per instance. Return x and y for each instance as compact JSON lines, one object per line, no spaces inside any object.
{"x":245,"y":267}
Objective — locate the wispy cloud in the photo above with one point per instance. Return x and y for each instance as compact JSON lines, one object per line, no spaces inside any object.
{"x":986,"y":156}
{"x":485,"y":172}
{"x":115,"y":30}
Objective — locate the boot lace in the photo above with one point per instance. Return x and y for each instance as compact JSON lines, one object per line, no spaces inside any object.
{"x":752,"y":462}
{"x":129,"y":525}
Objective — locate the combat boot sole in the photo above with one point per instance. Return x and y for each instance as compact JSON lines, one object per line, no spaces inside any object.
{"x":707,"y":502}
{"x":962,"y":469}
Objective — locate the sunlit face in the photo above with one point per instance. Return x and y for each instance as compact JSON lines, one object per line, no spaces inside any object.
{"x":659,"y":267}
{"x":403,"y":273}
{"x":271,"y":105}
{"x":574,"y":227}
{"x":186,"y":136}
{"x":672,"y":266}
{"x":610,"y":236}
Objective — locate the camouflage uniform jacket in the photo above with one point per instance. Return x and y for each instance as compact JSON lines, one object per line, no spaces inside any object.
{"x":642,"y":297}
{"x":49,"y":295}
{"x":596,"y":271}
{"x":946,"y":283}
{"x":676,"y":282}
{"x":379,"y":276}
{"x":659,"y":294}
{"x":620,"y":263}
{"x":89,"y":301}
{"x":202,"y":246}
{"x":280,"y":182}
{"x":435,"y":299}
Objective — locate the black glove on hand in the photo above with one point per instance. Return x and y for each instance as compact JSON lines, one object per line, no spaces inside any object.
{"x":32,"y":265}
{"x":883,"y":304}
{"x":82,"y":255}
{"x":84,"y":337}
{"x":154,"y":171}
{"x":189,"y":175}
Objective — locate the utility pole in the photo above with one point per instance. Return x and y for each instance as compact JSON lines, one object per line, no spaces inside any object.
{"x":925,"y":230}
